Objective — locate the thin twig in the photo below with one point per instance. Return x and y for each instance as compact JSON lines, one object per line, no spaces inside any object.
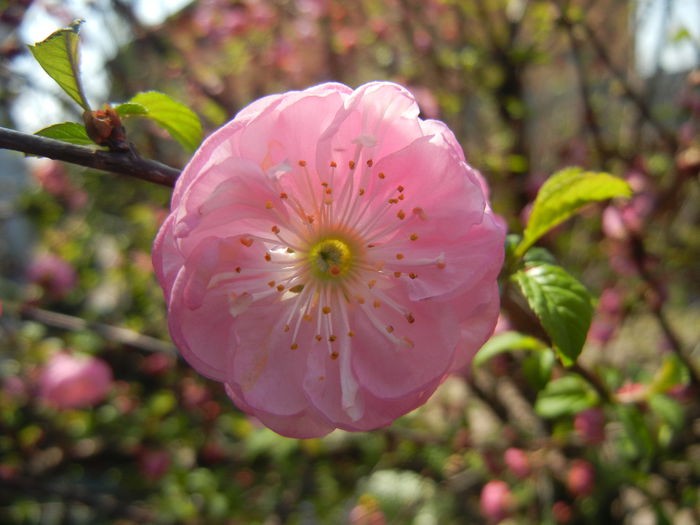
{"x":112,"y":333}
{"x":123,"y":163}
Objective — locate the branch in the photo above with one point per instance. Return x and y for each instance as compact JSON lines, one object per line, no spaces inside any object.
{"x":112,"y":333}
{"x":123,"y":163}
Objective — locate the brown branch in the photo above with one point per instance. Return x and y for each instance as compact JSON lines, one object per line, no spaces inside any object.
{"x":112,"y":333}
{"x":123,"y":163}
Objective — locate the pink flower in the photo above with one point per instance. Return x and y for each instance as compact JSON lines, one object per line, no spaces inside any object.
{"x":517,"y":462}
{"x":590,"y":425}
{"x":495,"y":500}
{"x":580,"y":479}
{"x":74,"y":382}
{"x":55,"y":275}
{"x":331,"y":258}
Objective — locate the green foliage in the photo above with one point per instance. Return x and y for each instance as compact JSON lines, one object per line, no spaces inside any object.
{"x":67,"y":132}
{"x":176,"y":118}
{"x":506,"y":342}
{"x":59,"y":56}
{"x":565,"y":396}
{"x":562,"y":305}
{"x":563,"y":194}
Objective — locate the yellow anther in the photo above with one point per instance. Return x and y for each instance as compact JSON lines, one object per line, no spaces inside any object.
{"x":326,"y":310}
{"x":414,"y":237}
{"x":399,"y":256}
{"x":302,"y":163}
{"x":294,"y":346}
{"x":268,"y":205}
{"x":377,"y":304}
{"x":401,"y":214}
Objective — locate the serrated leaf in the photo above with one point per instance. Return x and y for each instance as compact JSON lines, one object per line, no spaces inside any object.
{"x":506,"y":342}
{"x":129,"y":109}
{"x":177,"y":119}
{"x":567,"y":395}
{"x":563,"y":194}
{"x":67,"y":132}
{"x":561,"y":303}
{"x":58,"y":56}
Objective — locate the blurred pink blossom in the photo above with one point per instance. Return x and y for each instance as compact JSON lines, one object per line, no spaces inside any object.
{"x":630,"y":393}
{"x":67,"y":381}
{"x":562,"y":512}
{"x":55,"y":275}
{"x":590,"y":426}
{"x":153,"y":464}
{"x":580,"y":480}
{"x":518,"y":462}
{"x":331,"y":258}
{"x":496,"y":500}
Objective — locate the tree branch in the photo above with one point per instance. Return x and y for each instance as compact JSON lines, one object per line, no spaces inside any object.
{"x":123,"y":163}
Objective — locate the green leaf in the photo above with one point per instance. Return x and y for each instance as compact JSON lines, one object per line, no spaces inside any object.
{"x":562,"y":305}
{"x":129,"y":109}
{"x":563,"y":194}
{"x":537,"y":368}
{"x":176,"y":118}
{"x":672,"y":373}
{"x":58,"y":55}
{"x":668,"y":410}
{"x":567,"y":395}
{"x":506,"y":342}
{"x":67,"y":132}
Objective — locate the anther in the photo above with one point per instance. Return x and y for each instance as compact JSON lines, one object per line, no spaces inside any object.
{"x":334,"y":356}
{"x":247,"y":242}
{"x":294,"y":346}
{"x":381,"y":175}
{"x":329,"y":191}
{"x":302,"y":163}
{"x":351,"y":164}
{"x":413,"y":275}
{"x":399,"y":256}
{"x":401,"y":215}
{"x":351,"y":334}
{"x":283,"y":195}
{"x":290,"y":250}
{"x":414,"y":237}
{"x":333,"y":164}
{"x":310,"y":219}
{"x":318,"y":337}
{"x":361,"y":191}
{"x":441,"y":265}
{"x":361,"y":300}
{"x":280,"y":288}
{"x":326,"y":310}
{"x":400,"y":188}
{"x":377,"y":304}
{"x":397,"y":274}
{"x":393,"y":201}
{"x":268,"y":257}
{"x":307,"y":317}
{"x":275,"y":229}
{"x":389,"y":329}
{"x":271,"y":284}
{"x":268,"y":205}
{"x":332,"y":338}
{"x":371,"y":283}
{"x":286,"y":328}
{"x":401,"y":196}
{"x":420,"y":213}
{"x":297,"y":288}
{"x":238,"y":269}
{"x":369,"y":163}
{"x":410,"y":318}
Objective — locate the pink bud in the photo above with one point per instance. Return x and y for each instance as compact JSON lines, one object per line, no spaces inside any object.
{"x":518,"y":462}
{"x":495,"y":500}
{"x":590,"y":426}
{"x":630,"y":393}
{"x":67,"y":381}
{"x":581,"y":478}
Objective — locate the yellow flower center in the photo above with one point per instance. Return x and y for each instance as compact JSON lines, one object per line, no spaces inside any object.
{"x":330,"y":258}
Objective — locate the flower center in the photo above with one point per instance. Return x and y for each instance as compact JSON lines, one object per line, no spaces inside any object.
{"x":330,"y":258}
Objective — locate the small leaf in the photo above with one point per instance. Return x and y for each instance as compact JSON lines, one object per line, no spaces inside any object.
{"x":668,"y":410}
{"x":129,"y":109}
{"x":176,"y":118}
{"x":537,"y":368}
{"x":67,"y":132}
{"x":672,"y":373}
{"x":506,"y":342}
{"x":563,"y":194}
{"x":567,"y":395}
{"x":58,"y":55}
{"x":562,"y":305}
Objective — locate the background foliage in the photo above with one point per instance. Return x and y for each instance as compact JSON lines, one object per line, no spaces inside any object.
{"x":529,"y":87}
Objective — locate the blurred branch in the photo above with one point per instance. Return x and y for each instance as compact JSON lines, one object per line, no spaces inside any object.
{"x":601,"y":51}
{"x":112,"y":333}
{"x":123,"y":163}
